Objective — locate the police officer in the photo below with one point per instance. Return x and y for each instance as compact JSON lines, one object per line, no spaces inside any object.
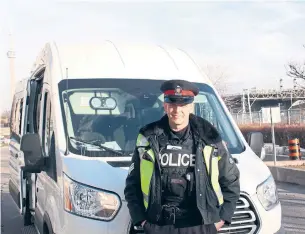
{"x":182,"y":178}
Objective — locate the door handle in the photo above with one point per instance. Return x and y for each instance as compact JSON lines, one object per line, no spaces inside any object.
{"x":16,"y":155}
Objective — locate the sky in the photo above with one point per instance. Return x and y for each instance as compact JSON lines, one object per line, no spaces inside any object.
{"x":249,"y":41}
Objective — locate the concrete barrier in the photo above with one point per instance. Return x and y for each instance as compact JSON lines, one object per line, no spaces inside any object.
{"x":283,"y":173}
{"x":286,"y":163}
{"x":280,"y":150}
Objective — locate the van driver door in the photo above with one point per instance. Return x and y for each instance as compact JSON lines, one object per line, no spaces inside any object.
{"x":28,"y":127}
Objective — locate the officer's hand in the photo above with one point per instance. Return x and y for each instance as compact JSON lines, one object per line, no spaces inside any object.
{"x":219,"y":224}
{"x":143,"y":223}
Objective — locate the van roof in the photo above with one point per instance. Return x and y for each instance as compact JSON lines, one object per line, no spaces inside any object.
{"x":109,"y":60}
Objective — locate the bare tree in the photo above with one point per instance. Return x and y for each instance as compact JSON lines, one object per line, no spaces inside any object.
{"x":220,"y":79}
{"x":297,"y":71}
{"x":5,"y":114}
{"x":5,"y":118}
{"x":218,"y":76}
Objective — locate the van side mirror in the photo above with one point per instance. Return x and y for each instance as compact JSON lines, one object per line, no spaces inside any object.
{"x":256,"y":142}
{"x":32,"y":150}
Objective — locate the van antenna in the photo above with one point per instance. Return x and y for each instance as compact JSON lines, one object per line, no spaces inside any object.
{"x":66,"y":112}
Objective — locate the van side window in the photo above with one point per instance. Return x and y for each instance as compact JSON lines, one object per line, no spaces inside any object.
{"x":13,"y":115}
{"x":48,"y":137}
{"x":16,"y":119}
{"x":20,"y":116}
{"x":38,"y":107}
{"x":47,"y":127}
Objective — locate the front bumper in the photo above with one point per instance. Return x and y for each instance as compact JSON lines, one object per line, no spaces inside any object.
{"x":270,"y":221}
{"x":77,"y":224}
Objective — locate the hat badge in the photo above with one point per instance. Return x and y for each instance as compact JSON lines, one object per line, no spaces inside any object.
{"x":178,"y":90}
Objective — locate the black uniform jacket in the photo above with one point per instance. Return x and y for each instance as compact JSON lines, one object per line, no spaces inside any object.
{"x":211,"y":212}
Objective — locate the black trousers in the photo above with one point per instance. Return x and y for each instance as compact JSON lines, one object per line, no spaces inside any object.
{"x":171,"y":229}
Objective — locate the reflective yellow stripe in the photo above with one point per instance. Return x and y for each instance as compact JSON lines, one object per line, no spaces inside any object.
{"x":145,"y":198}
{"x":219,"y":196}
{"x":142,"y":141}
{"x":207,"y":154}
{"x":213,"y":172}
{"x":146,"y":171}
{"x":145,"y":204}
{"x":146,"y":167}
{"x":215,"y":179}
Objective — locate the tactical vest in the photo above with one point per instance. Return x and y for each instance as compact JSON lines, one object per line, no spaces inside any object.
{"x":147,"y":166}
{"x":177,"y":164}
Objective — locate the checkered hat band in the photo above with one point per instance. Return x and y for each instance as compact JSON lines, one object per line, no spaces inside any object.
{"x":183,"y":93}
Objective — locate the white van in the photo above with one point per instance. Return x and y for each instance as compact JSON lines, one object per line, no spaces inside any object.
{"x":83,"y":107}
{"x":16,"y":132}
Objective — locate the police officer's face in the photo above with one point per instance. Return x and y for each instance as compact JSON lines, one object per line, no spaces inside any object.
{"x":178,"y":114}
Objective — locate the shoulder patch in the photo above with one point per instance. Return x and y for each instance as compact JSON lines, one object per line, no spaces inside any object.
{"x":231,"y":160}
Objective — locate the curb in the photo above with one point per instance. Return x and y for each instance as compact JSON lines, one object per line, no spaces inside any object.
{"x":285,"y":163}
{"x":288,"y":175}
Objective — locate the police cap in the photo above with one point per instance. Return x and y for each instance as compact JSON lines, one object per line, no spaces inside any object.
{"x":179,"y":91}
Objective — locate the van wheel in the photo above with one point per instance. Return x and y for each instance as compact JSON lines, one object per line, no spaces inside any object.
{"x":27,"y":217}
{"x":46,"y":229}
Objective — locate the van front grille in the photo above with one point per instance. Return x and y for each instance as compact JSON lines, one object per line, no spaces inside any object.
{"x":244,"y":221}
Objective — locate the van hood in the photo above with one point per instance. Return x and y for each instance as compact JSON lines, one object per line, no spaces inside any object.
{"x":96,"y":172}
{"x":253,"y":171}
{"x":108,"y":175}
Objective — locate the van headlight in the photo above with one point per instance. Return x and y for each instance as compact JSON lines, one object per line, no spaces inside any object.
{"x":267,"y":193}
{"x":89,"y":202}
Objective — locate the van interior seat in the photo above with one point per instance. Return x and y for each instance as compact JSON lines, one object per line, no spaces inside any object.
{"x":131,"y":130}
{"x":150,"y":115}
{"x":122,"y":128}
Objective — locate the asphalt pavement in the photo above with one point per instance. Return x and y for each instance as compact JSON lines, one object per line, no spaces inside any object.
{"x":292,"y":198}
{"x":11,"y":221}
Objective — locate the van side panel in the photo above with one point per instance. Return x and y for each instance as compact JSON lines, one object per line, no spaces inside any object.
{"x":48,"y":200}
{"x":16,"y":127}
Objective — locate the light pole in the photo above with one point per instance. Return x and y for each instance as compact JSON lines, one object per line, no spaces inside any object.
{"x":11,"y":56}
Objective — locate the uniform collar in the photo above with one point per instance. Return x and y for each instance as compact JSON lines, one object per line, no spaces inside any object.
{"x":200,"y":127}
{"x":173,"y":136}
{"x":163,"y":128}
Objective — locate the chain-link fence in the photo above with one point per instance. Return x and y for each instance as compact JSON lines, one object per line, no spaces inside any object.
{"x":292,"y":116}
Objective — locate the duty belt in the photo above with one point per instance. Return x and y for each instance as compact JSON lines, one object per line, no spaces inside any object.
{"x":171,"y":213}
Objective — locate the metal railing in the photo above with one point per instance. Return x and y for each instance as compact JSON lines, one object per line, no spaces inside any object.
{"x":292,"y":116}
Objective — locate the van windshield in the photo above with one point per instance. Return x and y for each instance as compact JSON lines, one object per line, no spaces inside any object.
{"x":110,"y":113}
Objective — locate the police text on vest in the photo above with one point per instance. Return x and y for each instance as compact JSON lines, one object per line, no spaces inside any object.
{"x":177,"y":160}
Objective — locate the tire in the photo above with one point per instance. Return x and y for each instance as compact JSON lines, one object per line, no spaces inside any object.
{"x":45,"y":229}
{"x":27,"y":217}
{"x":47,"y":226}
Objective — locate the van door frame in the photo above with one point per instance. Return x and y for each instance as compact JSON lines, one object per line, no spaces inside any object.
{"x":46,"y":181}
{"x":32,"y":88}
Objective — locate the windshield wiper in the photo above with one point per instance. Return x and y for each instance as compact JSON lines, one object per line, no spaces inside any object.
{"x":98,"y":144}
